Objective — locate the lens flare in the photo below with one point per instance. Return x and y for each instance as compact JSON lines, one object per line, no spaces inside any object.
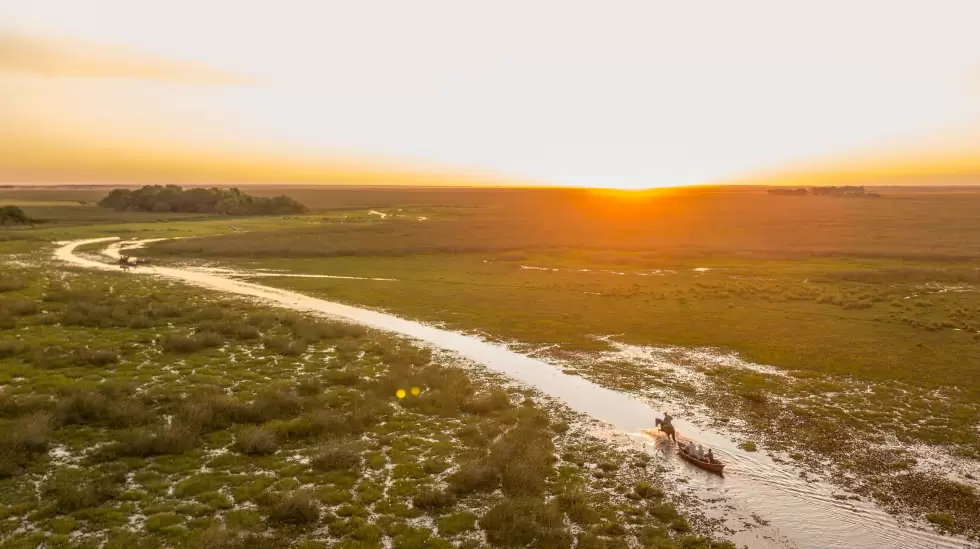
{"x":416,"y":391}
{"x":400,"y":393}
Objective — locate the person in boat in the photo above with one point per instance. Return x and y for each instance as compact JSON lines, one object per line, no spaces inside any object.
{"x":711,"y":457}
{"x":700,"y":452}
{"x":691,"y":449}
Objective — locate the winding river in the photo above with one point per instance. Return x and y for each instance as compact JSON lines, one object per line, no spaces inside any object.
{"x":765,"y":504}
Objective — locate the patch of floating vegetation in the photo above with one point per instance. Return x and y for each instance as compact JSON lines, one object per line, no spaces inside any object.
{"x":140,"y":413}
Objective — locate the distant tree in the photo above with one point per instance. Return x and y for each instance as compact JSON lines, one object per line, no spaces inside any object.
{"x":788,"y":192}
{"x":14,"y":215}
{"x":171,"y":198}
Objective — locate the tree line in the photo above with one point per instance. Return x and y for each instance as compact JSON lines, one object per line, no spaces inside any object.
{"x":174,"y":199}
{"x":13,"y":215}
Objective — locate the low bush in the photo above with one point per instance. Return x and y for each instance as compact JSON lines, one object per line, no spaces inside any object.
{"x":10,"y":283}
{"x":285,"y":346}
{"x":175,"y":438}
{"x":212,"y":410}
{"x":12,"y":348}
{"x":664,"y":512}
{"x":494,"y":401}
{"x":646,"y":490}
{"x":575,"y":503}
{"x":524,"y":455}
{"x":337,"y":457}
{"x":186,"y":344}
{"x":105,"y":405}
{"x":256,"y":441}
{"x":474,"y":476}
{"x":18,"y":307}
{"x":433,"y":501}
{"x":296,"y":509}
{"x":456,"y":523}
{"x":75,"y":489}
{"x":523,"y":521}
{"x":22,"y":440}
{"x":277,"y":402}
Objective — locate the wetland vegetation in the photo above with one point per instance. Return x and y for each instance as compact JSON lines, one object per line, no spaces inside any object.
{"x":817,"y":323}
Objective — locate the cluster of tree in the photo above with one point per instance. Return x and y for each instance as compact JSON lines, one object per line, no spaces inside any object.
{"x":847,"y":190}
{"x":14,"y":215}
{"x":172,"y":198}
{"x":794,"y":192}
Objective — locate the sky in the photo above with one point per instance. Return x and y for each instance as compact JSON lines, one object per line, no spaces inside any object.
{"x":618,"y":93}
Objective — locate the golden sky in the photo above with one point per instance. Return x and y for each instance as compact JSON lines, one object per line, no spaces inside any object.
{"x":623,"y":94}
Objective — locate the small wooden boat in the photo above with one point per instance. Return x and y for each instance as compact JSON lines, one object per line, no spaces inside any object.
{"x":713,"y":467}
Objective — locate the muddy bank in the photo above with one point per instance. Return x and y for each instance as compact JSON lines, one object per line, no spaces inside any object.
{"x":765,"y":502}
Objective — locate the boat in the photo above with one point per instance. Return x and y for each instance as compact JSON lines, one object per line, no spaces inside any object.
{"x":713,"y":467}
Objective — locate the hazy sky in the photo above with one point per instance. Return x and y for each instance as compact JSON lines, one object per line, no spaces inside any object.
{"x":614,"y":93}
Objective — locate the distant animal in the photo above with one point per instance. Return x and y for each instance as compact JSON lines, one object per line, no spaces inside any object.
{"x":124,"y":263}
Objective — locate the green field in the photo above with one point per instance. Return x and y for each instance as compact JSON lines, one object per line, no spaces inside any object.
{"x":850,"y":296}
{"x":140,"y":413}
{"x":871,"y":307}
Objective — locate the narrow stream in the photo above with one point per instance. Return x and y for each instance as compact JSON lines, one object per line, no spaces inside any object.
{"x":784,"y":510}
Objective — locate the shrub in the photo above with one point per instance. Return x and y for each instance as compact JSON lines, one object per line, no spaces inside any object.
{"x":11,"y":283}
{"x":495,"y":401}
{"x":590,"y":541}
{"x":192,"y":343}
{"x":456,"y":523}
{"x":11,"y":348}
{"x":18,"y":307}
{"x":749,"y":446}
{"x":309,"y":387}
{"x":296,"y":509}
{"x":22,"y":440}
{"x":15,"y":406}
{"x":175,"y":438}
{"x":256,"y":442}
{"x":96,"y":357}
{"x":338,"y":457}
{"x":74,"y":489}
{"x":942,"y":520}
{"x":208,"y":411}
{"x":520,"y":522}
{"x":432,"y":501}
{"x":274,"y":403}
{"x":576,"y":504}
{"x":344,"y":378}
{"x":474,"y":476}
{"x":651,"y":537}
{"x":285,"y":346}
{"x":646,"y":490}
{"x":664,"y":512}
{"x":524,"y":456}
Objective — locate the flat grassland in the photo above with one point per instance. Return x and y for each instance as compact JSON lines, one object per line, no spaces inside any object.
{"x":869,"y":307}
{"x":137,"y":413}
{"x":850,"y":296}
